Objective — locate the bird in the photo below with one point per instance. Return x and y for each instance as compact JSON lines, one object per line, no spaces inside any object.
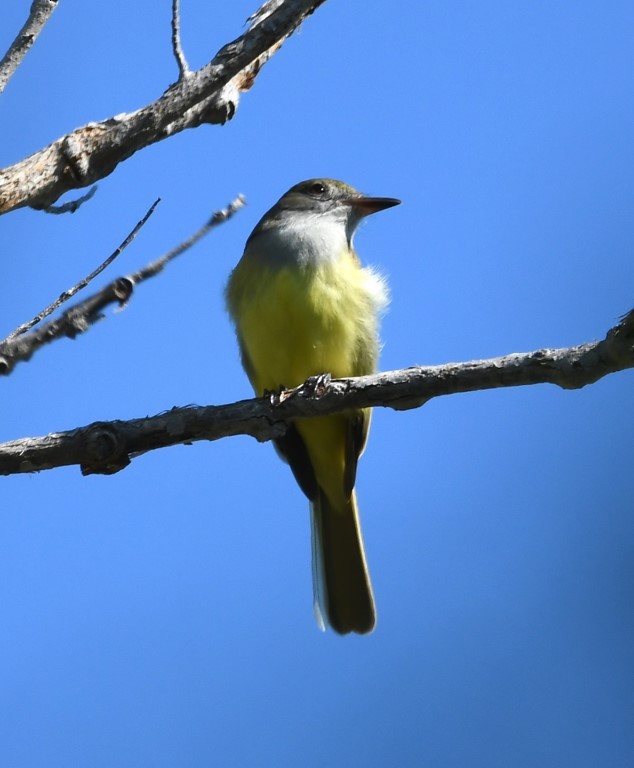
{"x":303,"y":305}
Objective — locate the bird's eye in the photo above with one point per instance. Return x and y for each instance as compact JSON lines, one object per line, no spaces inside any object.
{"x":317,"y":188}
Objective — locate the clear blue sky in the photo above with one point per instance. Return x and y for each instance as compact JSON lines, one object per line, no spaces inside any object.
{"x":162,"y":616}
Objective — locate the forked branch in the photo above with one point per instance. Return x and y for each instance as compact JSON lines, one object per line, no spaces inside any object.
{"x":20,"y":345}
{"x":209,"y":95}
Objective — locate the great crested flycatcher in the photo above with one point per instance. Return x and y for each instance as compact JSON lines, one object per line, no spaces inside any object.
{"x":303,"y":305}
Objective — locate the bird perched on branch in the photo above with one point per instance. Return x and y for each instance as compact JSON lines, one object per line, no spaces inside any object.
{"x":303,"y":305}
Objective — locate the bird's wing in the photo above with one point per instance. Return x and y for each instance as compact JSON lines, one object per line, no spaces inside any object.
{"x":292,"y":450}
{"x":358,"y":427}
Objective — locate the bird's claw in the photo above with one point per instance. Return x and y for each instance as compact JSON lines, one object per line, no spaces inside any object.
{"x":317,"y":385}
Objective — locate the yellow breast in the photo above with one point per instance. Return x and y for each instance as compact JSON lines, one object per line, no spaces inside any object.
{"x":294,"y":322}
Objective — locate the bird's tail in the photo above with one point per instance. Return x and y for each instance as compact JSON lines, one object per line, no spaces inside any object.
{"x":342,"y":590}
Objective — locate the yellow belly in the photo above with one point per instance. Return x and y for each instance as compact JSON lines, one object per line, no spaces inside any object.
{"x":299,"y":322}
{"x":294,"y":323}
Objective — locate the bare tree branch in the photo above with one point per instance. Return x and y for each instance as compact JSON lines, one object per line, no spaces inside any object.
{"x":179,"y":55}
{"x":209,"y":95}
{"x":107,"y":447}
{"x":66,"y":295}
{"x":20,"y":346}
{"x":40,"y":13}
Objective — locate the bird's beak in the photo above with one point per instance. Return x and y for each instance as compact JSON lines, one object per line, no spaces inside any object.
{"x":367,"y":205}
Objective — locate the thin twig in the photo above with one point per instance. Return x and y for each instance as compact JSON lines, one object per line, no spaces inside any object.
{"x":80,"y":317}
{"x":63,"y":297}
{"x":183,"y":68}
{"x":72,"y":205}
{"x":218,"y":217}
{"x":39,"y":14}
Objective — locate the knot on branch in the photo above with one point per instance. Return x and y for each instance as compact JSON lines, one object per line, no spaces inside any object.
{"x":73,"y":152}
{"x":122,"y":289}
{"x":105,"y":452}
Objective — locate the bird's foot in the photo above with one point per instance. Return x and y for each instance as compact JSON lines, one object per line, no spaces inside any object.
{"x":276,"y":396}
{"x":316,"y":386}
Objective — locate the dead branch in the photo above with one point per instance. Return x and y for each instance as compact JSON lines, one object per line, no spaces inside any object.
{"x":68,"y":294}
{"x":183,"y":67}
{"x":107,"y":447}
{"x":40,"y":13}
{"x":209,"y":95}
{"x":19,"y":346}
{"x":218,"y":217}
